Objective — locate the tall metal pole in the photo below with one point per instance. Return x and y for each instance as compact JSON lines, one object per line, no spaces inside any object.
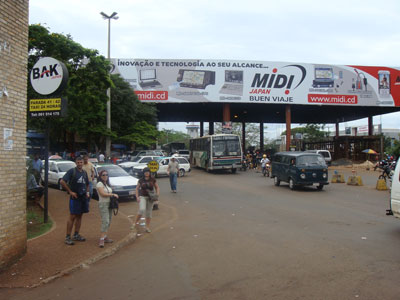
{"x":108,"y":139}
{"x":46,"y":173}
{"x":108,"y":115}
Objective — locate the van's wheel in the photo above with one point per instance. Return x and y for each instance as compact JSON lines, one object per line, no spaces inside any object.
{"x":320,"y":186}
{"x":291,"y":184}
{"x":277,"y":182}
{"x":181,"y":172}
{"x":233,"y":170}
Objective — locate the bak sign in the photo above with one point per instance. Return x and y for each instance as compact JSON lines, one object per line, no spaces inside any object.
{"x":48,"y":76}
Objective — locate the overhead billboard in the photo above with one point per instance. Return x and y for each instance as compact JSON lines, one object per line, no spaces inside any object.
{"x":229,"y":81}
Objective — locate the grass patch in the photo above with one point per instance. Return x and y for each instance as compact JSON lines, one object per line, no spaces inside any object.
{"x":34,"y":221}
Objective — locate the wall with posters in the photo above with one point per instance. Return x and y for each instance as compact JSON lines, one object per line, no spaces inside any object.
{"x":228,"y":81}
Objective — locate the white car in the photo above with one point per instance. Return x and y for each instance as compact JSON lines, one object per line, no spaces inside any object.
{"x":137,"y":161}
{"x":57,"y":170}
{"x":184,"y":167}
{"x":122,"y":184}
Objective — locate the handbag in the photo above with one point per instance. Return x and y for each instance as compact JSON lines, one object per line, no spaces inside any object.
{"x":114,"y":205}
{"x":153,"y":195}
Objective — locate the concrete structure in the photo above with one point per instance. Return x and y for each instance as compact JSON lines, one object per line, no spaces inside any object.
{"x":193,"y":130}
{"x":13,"y":103}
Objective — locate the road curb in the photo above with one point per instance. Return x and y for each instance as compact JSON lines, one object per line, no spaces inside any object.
{"x":104,"y":254}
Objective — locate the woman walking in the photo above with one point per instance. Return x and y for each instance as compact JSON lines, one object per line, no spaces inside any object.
{"x":146,"y":184}
{"x":105,"y":193}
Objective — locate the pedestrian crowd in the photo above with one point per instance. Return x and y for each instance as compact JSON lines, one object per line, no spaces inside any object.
{"x":78,"y":182}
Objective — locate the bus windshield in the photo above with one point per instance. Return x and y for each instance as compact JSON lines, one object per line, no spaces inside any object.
{"x":229,"y":146}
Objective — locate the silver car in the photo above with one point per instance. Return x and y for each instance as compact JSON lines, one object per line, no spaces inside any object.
{"x":122,"y":184}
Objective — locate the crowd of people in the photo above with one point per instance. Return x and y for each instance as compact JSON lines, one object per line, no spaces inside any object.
{"x":78,"y":182}
{"x":256,"y":160}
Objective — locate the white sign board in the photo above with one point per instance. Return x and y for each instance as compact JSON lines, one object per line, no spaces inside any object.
{"x":225,"y":81}
{"x":48,"y":76}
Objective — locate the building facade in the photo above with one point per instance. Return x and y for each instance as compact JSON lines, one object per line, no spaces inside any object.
{"x":13,"y":102}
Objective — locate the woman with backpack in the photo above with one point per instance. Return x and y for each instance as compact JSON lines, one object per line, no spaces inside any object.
{"x":146,"y":189}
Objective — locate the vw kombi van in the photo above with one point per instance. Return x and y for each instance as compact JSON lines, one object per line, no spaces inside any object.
{"x":299,"y":169}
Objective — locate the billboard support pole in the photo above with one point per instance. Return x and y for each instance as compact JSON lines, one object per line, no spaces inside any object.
{"x":244,"y":136}
{"x":211,"y":128}
{"x":288,"y":124}
{"x":337,"y":129}
{"x":201,"y":129}
{"x":226,"y":112}
{"x":262,"y":137}
{"x":370,"y":126}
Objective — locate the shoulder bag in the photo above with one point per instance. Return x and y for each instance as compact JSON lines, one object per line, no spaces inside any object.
{"x":114,"y":205}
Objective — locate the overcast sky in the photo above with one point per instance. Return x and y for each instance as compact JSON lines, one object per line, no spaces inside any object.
{"x":308,"y":31}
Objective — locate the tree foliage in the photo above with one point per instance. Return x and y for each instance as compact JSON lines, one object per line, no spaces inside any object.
{"x":310,"y":132}
{"x":252,"y":132}
{"x":168,"y":136}
{"x":88,"y":82}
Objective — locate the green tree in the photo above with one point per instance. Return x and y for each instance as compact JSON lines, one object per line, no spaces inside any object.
{"x":168,"y":136}
{"x":85,"y":90}
{"x":310,"y":132}
{"x":130,"y":117}
{"x":89,"y":80}
{"x":252,"y":133}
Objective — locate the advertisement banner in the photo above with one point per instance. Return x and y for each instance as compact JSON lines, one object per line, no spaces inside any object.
{"x":229,"y":81}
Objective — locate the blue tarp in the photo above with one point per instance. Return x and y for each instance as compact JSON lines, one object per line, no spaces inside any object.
{"x":118,"y":146}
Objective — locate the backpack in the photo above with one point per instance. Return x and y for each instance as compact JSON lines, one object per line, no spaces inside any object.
{"x":73,"y":177}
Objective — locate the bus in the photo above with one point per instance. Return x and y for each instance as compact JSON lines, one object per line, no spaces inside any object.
{"x":173,"y":147}
{"x":216,"y":152}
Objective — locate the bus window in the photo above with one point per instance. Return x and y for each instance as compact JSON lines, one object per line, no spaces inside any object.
{"x":219,"y":148}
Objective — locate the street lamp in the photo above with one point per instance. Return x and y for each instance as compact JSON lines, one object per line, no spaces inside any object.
{"x":108,"y":139}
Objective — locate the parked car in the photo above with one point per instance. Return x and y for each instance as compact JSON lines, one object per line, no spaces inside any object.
{"x":137,"y":153}
{"x":57,"y":169}
{"x":137,"y":161}
{"x":122,"y":184}
{"x":93,"y":160}
{"x":184,"y":167}
{"x":299,"y":169}
{"x":325,"y":154}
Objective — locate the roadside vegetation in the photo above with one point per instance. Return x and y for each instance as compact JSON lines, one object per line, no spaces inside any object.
{"x":34,"y":221}
{"x":133,"y":122}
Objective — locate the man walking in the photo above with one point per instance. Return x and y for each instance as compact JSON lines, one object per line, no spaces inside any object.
{"x":172,"y":171}
{"x":76,"y":182}
{"x":89,"y":168}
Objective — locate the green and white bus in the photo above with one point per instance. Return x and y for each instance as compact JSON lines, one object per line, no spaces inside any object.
{"x":216,"y":152}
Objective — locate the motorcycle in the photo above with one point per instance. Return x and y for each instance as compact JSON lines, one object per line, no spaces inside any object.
{"x":387,"y":173}
{"x":266,"y":170}
{"x":244,"y":165}
{"x":383,"y":163}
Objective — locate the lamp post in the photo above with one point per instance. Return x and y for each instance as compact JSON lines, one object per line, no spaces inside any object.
{"x":108,"y":139}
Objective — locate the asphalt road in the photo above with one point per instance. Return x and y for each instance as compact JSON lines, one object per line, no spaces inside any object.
{"x":237,"y":236}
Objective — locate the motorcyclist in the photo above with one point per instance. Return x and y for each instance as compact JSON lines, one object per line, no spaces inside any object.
{"x":264,"y":162}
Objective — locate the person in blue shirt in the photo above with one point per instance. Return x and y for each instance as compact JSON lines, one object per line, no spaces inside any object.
{"x":37,"y":166}
{"x":76,"y":182}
